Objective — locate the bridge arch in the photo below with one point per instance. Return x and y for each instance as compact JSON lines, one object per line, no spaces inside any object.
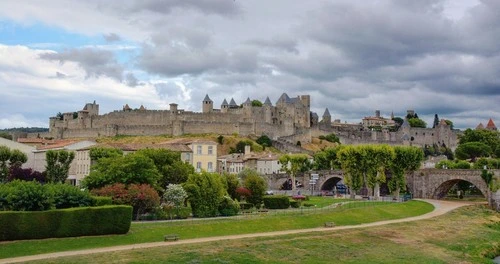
{"x":441,"y":181}
{"x":330,"y":183}
{"x":442,"y":190}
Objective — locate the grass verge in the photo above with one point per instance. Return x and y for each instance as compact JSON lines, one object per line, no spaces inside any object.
{"x":153,"y":232}
{"x":466,"y":235}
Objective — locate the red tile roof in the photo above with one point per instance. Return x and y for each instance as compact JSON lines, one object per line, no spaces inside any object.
{"x":491,"y":125}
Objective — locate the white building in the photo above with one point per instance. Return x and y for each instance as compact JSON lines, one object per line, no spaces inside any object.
{"x":26,"y":149}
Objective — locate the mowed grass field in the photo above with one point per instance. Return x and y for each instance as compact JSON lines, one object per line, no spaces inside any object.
{"x":153,"y":232}
{"x":466,"y":235}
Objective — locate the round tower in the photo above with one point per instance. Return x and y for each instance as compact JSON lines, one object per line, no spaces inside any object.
{"x":208,"y":105}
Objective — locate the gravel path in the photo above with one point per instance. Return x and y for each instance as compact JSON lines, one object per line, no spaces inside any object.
{"x":440,"y":208}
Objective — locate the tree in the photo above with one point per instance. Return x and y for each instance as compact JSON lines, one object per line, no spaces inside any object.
{"x":417,"y":122}
{"x":175,"y":196}
{"x":352,"y":160}
{"x":256,"y":103}
{"x":406,"y":160}
{"x":292,"y":164}
{"x":488,"y":137}
{"x":330,"y":138}
{"x":60,"y":116}
{"x":18,"y":173}
{"x":17,"y":158}
{"x":58,"y":164}
{"x":232,"y":183}
{"x":240,"y":146}
{"x":220,"y":139}
{"x":132,"y":168}
{"x":257,"y":187}
{"x":4,"y":158}
{"x":449,"y":123}
{"x":378,"y":159}
{"x":398,"y":120}
{"x":5,"y":135}
{"x":97,"y":153}
{"x":436,"y":121}
{"x":472,"y":150}
{"x":205,"y":192}
{"x":326,"y":159}
{"x":169,"y":165}
{"x":264,"y":141}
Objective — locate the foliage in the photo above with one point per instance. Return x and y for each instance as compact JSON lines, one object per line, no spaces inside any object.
{"x":220,"y":139}
{"x":417,"y":122}
{"x":25,"y":196}
{"x":5,"y":135}
{"x":487,"y":137}
{"x":472,"y":150}
{"x":245,"y":205}
{"x":169,"y":165}
{"x":326,"y":159}
{"x":489,"y":163}
{"x":242,"y":192}
{"x":58,"y":164}
{"x":67,"y":196}
{"x":257,"y":187}
{"x":232,"y":183}
{"x":276,"y":202}
{"x":170,"y":212}
{"x":18,"y":173}
{"x":73,"y":222}
{"x":205,"y":192}
{"x":292,"y":164}
{"x":453,"y":165}
{"x":330,"y":138}
{"x":487,"y":177}
{"x":132,"y":168}
{"x":264,"y":141}
{"x":295,"y":203}
{"x":436,"y":150}
{"x":240,"y":146}
{"x":101,"y":200}
{"x":4,"y":159}
{"x":174,"y":194}
{"x":228,"y":207}
{"x":97,"y":153}
{"x":406,"y":159}
{"x":449,"y":123}
{"x":17,"y":158}
{"x":142,"y":197}
{"x":256,"y":103}
{"x":398,"y":120}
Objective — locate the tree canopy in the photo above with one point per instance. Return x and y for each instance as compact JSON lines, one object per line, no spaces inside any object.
{"x":256,"y":103}
{"x":58,"y":164}
{"x":472,"y":150}
{"x":326,"y":159}
{"x":205,"y":192}
{"x":293,"y":164}
{"x":406,"y":159}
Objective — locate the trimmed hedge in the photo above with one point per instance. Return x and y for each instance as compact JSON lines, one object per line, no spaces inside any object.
{"x":101,"y":200}
{"x":72,"y":222}
{"x":276,"y":202}
{"x":295,"y":203}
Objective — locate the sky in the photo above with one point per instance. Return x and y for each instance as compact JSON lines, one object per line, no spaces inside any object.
{"x":351,"y":56}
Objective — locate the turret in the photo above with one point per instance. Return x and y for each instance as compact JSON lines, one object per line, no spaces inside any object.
{"x":327,"y":119}
{"x":224,"y":106}
{"x":247,"y":103}
{"x":208,"y":105}
{"x":173,"y":108}
{"x":232,"y":104}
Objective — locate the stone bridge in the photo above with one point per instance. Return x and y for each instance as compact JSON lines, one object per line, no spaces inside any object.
{"x":425,"y":183}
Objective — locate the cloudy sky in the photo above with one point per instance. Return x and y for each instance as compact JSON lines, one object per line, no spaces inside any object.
{"x":353,"y":57}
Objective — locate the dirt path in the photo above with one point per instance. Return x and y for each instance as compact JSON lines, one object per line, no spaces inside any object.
{"x":441,"y":207}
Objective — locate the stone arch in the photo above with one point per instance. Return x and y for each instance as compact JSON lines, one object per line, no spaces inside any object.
{"x":330,"y":182}
{"x":441,"y":189}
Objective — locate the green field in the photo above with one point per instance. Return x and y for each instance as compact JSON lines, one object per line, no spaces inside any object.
{"x":466,"y":235}
{"x":153,"y":232}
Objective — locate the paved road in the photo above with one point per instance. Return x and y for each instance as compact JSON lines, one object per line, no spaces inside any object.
{"x":440,"y":208}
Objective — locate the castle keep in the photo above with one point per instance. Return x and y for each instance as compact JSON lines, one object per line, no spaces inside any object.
{"x":288,"y":121}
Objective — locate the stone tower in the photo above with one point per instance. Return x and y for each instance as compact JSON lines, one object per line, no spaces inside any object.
{"x":268,"y":110}
{"x":327,"y":119}
{"x":208,"y":105}
{"x":224,"y":106}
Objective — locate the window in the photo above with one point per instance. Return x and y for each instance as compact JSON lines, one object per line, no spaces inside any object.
{"x":198,"y":150}
{"x":198,"y":166}
{"x":209,"y":168}
{"x":210,"y":150}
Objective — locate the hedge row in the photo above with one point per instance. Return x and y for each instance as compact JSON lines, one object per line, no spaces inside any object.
{"x":276,"y":202}
{"x":72,"y":222}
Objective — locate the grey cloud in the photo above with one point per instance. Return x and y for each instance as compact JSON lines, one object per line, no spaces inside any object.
{"x":131,"y":80}
{"x":282,"y":43}
{"x":111,"y":37}
{"x":60,"y":75}
{"x":95,"y":62}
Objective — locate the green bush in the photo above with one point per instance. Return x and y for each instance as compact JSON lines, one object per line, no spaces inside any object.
{"x":25,"y":196}
{"x":228,"y":207}
{"x":308,"y":205}
{"x":276,"y":202}
{"x":464,"y":165}
{"x":72,"y":222}
{"x":245,"y":206}
{"x":68,"y":196}
{"x":101,"y":200}
{"x":295,"y":203}
{"x":170,"y":212}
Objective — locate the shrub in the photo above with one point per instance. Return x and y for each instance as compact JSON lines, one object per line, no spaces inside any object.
{"x":101,"y":200}
{"x":205,"y":192}
{"x":175,"y":195}
{"x":168,"y":212}
{"x":464,"y":165}
{"x":245,"y":206}
{"x":308,"y":205}
{"x":243,"y":193}
{"x":67,"y":196}
{"x":70,"y":222}
{"x":295,"y":203}
{"x":228,"y":207}
{"x":25,"y":196}
{"x":257,"y":187}
{"x":276,"y":202}
{"x":18,"y":173}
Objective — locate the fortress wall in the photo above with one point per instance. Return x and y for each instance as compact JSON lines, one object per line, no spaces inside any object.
{"x":210,"y":127}
{"x":145,"y":130}
{"x":122,"y":118}
{"x":39,"y":135}
{"x":83,"y":133}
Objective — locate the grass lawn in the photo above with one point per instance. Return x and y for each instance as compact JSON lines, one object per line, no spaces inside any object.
{"x":323,"y":201}
{"x":153,"y":232}
{"x":466,"y":235}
